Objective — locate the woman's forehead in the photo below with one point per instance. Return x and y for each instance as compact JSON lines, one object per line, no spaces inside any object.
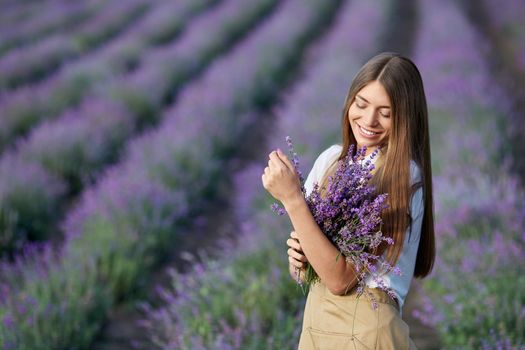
{"x":375,"y":94}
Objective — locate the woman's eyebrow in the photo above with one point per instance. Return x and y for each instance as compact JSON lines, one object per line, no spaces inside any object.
{"x":364,"y":99}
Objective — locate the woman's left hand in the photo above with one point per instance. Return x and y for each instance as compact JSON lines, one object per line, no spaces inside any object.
{"x":280,"y":178}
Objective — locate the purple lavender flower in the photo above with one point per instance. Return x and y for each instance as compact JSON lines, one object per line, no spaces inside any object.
{"x":295,"y":160}
{"x":276,"y":208}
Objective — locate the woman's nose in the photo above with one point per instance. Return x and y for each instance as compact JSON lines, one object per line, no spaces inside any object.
{"x":370,"y":117}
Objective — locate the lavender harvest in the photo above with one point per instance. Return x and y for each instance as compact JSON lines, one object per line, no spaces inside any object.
{"x":349,"y":214}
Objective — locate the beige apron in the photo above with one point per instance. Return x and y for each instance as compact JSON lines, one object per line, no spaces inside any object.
{"x":333,"y":322}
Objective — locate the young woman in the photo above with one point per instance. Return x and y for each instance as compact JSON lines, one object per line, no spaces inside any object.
{"x":385,"y":108}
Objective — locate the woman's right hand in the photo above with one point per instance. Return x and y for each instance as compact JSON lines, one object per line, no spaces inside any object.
{"x":296,"y":256}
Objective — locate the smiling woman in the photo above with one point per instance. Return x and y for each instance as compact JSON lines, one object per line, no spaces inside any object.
{"x":385,"y":109}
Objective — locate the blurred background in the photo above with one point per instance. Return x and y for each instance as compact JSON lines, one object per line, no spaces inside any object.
{"x":134,"y":134}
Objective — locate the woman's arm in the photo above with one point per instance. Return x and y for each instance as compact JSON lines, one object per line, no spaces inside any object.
{"x":339,"y":277}
{"x":281,"y":180}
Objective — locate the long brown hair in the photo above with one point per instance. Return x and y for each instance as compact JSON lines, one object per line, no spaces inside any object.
{"x":408,"y":139}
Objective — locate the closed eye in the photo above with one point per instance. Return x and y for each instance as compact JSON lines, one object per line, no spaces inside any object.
{"x":386,"y":115}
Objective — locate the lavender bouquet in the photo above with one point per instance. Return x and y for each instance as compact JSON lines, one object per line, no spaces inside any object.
{"x":349,"y":215}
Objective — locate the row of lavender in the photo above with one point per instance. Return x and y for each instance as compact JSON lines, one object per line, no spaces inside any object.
{"x":506,"y":32}
{"x":36,"y":61}
{"x":60,"y":156}
{"x":246,"y":299}
{"x":507,"y":19}
{"x":30,"y":21}
{"x":476,"y":296}
{"x":26,"y":106}
{"x":121,"y":225}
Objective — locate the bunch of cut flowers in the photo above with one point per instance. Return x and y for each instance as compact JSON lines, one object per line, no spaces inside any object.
{"x":349,"y":214}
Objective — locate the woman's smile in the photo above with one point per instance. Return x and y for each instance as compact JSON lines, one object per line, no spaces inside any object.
{"x":368,"y":133}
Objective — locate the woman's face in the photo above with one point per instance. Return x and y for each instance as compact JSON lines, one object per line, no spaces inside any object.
{"x":370,"y":116}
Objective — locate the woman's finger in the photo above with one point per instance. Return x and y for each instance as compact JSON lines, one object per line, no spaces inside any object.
{"x":295,"y":262}
{"x":285,"y":160}
{"x":292,"y":243}
{"x":276,"y":167}
{"x":276,"y":162}
{"x":296,"y":245}
{"x":297,"y":256}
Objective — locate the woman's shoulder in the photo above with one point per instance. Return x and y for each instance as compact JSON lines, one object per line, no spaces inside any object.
{"x":329,"y":152}
{"x":327,"y":157}
{"x":322,"y":162}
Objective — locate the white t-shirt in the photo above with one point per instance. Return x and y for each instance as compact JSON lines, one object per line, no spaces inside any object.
{"x":407,"y":259}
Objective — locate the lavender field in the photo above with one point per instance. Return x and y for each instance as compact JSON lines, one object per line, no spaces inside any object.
{"x":134,"y":135}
